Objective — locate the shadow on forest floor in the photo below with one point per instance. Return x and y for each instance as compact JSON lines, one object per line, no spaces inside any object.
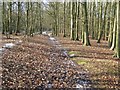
{"x":97,"y":59}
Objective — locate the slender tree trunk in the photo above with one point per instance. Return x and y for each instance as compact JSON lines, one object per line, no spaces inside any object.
{"x":100,"y":25}
{"x":114,"y":35}
{"x":77,"y":19}
{"x":3,"y":18}
{"x":64,"y":33}
{"x":110,"y":37}
{"x":31,"y":21}
{"x":72,"y":20}
{"x":82,"y":26}
{"x":118,"y":31}
{"x":93,"y":20}
{"x":10,"y":19}
{"x":97,"y":20}
{"x":86,"y":34}
{"x":18,"y":19}
{"x":27,"y":30}
{"x":40,"y":18}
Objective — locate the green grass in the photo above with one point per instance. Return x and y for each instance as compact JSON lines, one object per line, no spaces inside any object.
{"x":99,"y":69}
{"x":74,"y":52}
{"x":81,"y":62}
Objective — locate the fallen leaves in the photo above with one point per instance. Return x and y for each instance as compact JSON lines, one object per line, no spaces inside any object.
{"x":37,"y":64}
{"x":97,"y":59}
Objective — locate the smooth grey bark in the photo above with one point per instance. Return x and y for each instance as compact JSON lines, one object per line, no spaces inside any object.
{"x":86,"y":34}
{"x":118,"y":31}
{"x":77,"y":19}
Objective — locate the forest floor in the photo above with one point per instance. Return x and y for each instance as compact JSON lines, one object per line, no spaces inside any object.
{"x":36,"y":62}
{"x":97,"y":59}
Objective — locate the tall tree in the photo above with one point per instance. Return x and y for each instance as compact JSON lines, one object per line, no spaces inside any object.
{"x":10,"y":18}
{"x":86,"y":34}
{"x":118,"y":31}
{"x":114,"y":34}
{"x":3,"y":18}
{"x":64,"y":33}
{"x":18,"y":18}
{"x":27,"y":24}
{"x":77,"y":19}
{"x":72,"y":35}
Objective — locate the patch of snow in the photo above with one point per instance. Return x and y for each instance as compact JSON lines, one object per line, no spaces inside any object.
{"x":51,"y":38}
{"x":19,"y":42}
{"x":44,"y":33}
{"x":72,"y":55}
{"x":49,"y":34}
{"x":1,"y":50}
{"x":9,"y":45}
{"x":79,"y":86}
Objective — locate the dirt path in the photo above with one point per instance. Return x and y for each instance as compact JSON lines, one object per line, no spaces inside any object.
{"x":37,"y":63}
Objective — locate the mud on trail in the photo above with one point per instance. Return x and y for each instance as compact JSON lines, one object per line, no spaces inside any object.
{"x":37,"y":63}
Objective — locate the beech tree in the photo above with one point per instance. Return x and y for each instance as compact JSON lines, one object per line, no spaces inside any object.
{"x":86,"y":34}
{"x":3,"y":18}
{"x":77,"y":20}
{"x":18,"y":18}
{"x":102,"y":22}
{"x":72,"y":21}
{"x":64,"y":33}
{"x":118,"y":31}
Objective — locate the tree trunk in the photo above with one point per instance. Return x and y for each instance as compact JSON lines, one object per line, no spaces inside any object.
{"x":27,"y":29}
{"x":10,"y":17}
{"x":72,"y":20}
{"x":77,"y":19}
{"x":86,"y":34}
{"x":118,"y":31}
{"x":93,"y":20}
{"x":18,"y":19}
{"x":100,"y":25}
{"x":64,"y":33}
{"x":110,"y":37}
{"x":3,"y":18}
{"x":114,"y":35}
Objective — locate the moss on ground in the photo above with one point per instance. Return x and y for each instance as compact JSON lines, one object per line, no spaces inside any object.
{"x":102,"y":72}
{"x":74,"y":52}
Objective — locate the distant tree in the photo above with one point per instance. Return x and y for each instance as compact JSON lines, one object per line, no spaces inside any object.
{"x":102,"y":22}
{"x":3,"y":18}
{"x":18,"y":18}
{"x":64,"y":33}
{"x":77,"y":19}
{"x":72,"y":35}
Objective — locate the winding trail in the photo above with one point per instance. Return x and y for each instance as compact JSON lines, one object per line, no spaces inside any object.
{"x":83,"y":82}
